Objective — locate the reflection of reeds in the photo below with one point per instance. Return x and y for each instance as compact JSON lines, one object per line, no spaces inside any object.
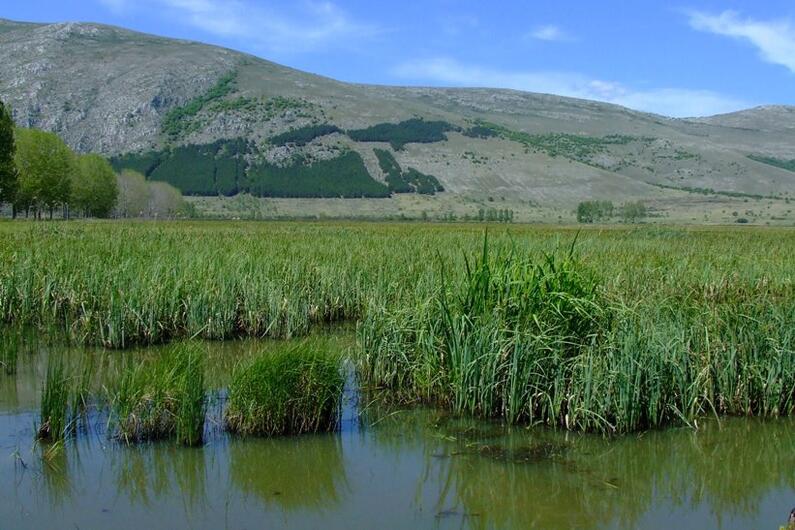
{"x":599,"y":483}
{"x":291,"y":473}
{"x":294,"y":390}
{"x":162,"y":398}
{"x":149,"y":472}
{"x":56,"y":473}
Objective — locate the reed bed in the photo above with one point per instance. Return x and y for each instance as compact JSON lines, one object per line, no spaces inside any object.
{"x":163,"y":398}
{"x":9,"y":352}
{"x":637,"y":327}
{"x":538,"y":339}
{"x":294,"y":390}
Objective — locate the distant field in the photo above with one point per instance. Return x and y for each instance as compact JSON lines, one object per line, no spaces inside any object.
{"x":671,"y":207}
{"x":614,"y":328}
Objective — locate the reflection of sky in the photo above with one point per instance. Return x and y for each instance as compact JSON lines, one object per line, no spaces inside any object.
{"x":412,"y":470}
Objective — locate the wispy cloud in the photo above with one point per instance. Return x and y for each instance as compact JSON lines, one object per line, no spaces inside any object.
{"x":675,"y":102}
{"x":550,"y":33}
{"x":775,"y":39}
{"x":304,"y":26}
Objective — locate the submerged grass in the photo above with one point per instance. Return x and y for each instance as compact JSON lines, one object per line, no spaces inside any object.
{"x":162,"y":398}
{"x":290,"y":391}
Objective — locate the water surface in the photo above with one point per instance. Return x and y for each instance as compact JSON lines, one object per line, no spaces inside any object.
{"x":387,"y":468}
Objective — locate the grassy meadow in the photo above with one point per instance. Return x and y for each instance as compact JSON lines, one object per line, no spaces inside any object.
{"x":611,"y":329}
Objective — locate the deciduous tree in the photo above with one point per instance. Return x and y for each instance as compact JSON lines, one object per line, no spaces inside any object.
{"x":8,"y":172}
{"x":46,"y":167}
{"x":94,"y":188}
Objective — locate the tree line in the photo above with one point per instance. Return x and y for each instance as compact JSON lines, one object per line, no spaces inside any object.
{"x":40,"y":175}
{"x":598,"y":211}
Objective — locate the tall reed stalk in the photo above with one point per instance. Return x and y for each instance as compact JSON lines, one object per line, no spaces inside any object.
{"x":162,"y":398}
{"x":53,"y":419}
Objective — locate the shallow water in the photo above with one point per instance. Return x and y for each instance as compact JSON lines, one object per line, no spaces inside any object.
{"x":409,"y":469}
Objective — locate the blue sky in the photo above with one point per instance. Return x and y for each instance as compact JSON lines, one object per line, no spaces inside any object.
{"x":694,"y":58}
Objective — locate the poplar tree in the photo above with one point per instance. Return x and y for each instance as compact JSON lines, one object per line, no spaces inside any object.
{"x":9,"y":181}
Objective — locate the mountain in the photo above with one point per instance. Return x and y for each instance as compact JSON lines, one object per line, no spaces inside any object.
{"x":218,"y":122}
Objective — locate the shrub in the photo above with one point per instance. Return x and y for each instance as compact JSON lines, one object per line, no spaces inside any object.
{"x":594,"y":211}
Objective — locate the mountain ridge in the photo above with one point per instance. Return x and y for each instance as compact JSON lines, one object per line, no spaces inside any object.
{"x":121,"y":92}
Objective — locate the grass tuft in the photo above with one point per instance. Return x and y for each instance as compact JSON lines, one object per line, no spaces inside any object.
{"x":163,"y":398}
{"x":291,"y":391}
{"x":54,"y":420}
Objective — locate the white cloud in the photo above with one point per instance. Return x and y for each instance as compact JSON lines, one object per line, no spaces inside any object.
{"x":775,"y":39}
{"x":305,"y":26}
{"x":675,"y":102}
{"x":550,"y":33}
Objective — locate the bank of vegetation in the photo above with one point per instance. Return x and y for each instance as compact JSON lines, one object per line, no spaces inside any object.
{"x":628,"y":329}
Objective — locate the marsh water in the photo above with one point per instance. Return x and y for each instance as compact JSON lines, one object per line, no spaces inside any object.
{"x":386,"y":468}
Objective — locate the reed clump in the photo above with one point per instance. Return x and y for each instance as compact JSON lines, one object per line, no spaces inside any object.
{"x":542,"y":341}
{"x":162,"y":398}
{"x":9,"y":352}
{"x":290,"y":391}
{"x":54,"y":422}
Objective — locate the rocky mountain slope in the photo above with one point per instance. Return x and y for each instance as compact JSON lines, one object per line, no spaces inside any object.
{"x":214,"y":121}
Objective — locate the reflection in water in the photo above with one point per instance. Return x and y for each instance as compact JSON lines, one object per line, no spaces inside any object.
{"x":598,"y":483}
{"x":394,"y":469}
{"x":152,"y":471}
{"x":290,"y":473}
{"x":56,"y":474}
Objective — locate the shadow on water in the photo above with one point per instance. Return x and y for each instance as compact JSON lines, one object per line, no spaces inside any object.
{"x":388,"y":467}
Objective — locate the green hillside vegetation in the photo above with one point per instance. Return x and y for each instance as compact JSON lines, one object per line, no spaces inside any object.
{"x":392,"y":171}
{"x":573,"y":146}
{"x":212,"y":169}
{"x":712,"y":191}
{"x":422,"y":183}
{"x":345,"y":176}
{"x":789,"y":165}
{"x":410,"y":181}
{"x":415,"y":130}
{"x":143,"y":163}
{"x":204,"y":169}
{"x":303,"y":135}
{"x":178,"y":121}
{"x":481,"y":131}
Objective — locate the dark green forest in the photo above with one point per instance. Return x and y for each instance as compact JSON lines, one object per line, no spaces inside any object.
{"x":344,"y":176}
{"x":218,"y":168}
{"x":303,"y":135}
{"x":409,"y":181}
{"x":398,"y":135}
{"x":789,"y":165}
